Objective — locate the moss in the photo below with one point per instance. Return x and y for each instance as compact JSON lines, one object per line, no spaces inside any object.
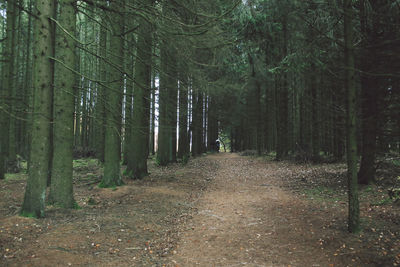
{"x":28,"y":214}
{"x":76,"y":206}
{"x":113,"y":185}
{"x":15,"y":176}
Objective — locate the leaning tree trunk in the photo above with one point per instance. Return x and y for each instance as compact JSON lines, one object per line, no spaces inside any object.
{"x":35,"y":192}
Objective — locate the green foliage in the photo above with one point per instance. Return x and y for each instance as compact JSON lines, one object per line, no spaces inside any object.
{"x":396,"y":162}
{"x":157,"y":161}
{"x":382,"y":202}
{"x":128,"y":173}
{"x":322,"y":193}
{"x":76,"y":206}
{"x":112,"y":186}
{"x":185,"y":159}
{"x":28,"y":214}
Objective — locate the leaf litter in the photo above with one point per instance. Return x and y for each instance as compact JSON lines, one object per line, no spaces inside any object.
{"x":221,"y":210}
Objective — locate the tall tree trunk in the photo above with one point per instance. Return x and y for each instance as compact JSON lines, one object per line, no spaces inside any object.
{"x":183,"y":146}
{"x":12,"y":33}
{"x":196,"y":122}
{"x":35,"y":192}
{"x":112,"y":148}
{"x":5,"y":90}
{"x":138,"y":147}
{"x":101,"y":102}
{"x":61,"y":189}
{"x":282,"y":96}
{"x":167,"y":99}
{"x":163,"y":122}
{"x":153,"y":114}
{"x":7,"y":85}
{"x":372,"y":88}
{"x":354,"y":210}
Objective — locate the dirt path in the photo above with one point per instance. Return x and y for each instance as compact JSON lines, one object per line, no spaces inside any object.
{"x":245,"y":218}
{"x":248,"y":218}
{"x":218,"y":210}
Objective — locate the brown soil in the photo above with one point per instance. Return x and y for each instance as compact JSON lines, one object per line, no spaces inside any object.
{"x":218,"y":210}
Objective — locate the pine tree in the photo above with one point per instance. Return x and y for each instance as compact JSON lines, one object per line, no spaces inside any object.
{"x":61,"y":189}
{"x":35,"y":192}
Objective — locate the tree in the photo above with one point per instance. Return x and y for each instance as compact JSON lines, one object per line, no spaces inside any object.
{"x":354,"y":210}
{"x":7,"y":87}
{"x":35,"y":192}
{"x":167,"y":96}
{"x":183,"y":146}
{"x":112,"y":148}
{"x":138,"y":147}
{"x":61,"y":189}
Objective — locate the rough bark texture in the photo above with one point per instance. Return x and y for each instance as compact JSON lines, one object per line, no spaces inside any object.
{"x":35,"y":192}
{"x":137,"y":161}
{"x":61,"y":189}
{"x":354,"y":210}
{"x":112,"y":148}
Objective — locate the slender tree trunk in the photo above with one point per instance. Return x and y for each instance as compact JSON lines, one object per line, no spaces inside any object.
{"x":354,"y":210}
{"x":153,"y":114}
{"x":183,"y":146}
{"x":7,"y":85}
{"x":35,"y":192}
{"x":163,"y":121}
{"x":101,"y":102}
{"x":61,"y":189}
{"x":282,"y":94}
{"x":12,"y":33}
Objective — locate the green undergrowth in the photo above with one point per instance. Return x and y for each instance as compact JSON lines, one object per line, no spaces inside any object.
{"x":15,"y":176}
{"x":28,"y":214}
{"x":322,"y":193}
{"x":85,"y":162}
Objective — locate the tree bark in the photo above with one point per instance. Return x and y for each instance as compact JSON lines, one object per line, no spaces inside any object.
{"x":61,"y":189}
{"x":35,"y":192}
{"x":112,"y":148}
{"x":354,"y":210}
{"x":138,"y":147}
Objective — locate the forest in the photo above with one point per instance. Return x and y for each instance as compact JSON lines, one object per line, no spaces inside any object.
{"x":163,"y":118}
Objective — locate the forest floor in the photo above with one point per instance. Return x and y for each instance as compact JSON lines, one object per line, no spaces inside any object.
{"x":218,"y":210}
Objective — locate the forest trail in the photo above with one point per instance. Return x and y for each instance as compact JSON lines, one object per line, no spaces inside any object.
{"x":217,"y":210}
{"x":245,"y":218}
